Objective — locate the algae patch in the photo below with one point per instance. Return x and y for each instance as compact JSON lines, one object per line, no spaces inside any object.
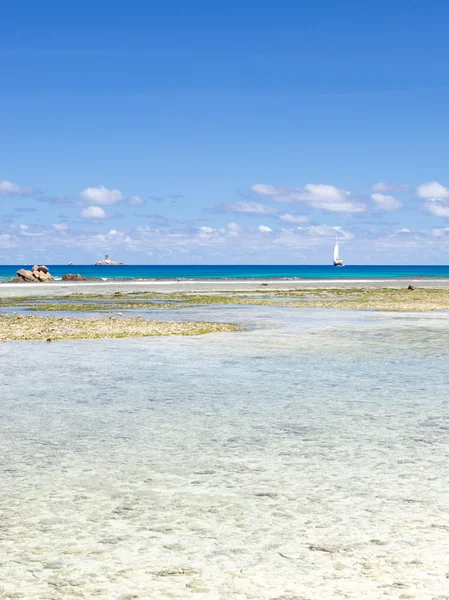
{"x":38,"y":328}
{"x":380,"y":299}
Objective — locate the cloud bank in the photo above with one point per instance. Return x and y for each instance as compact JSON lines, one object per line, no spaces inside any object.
{"x":316,"y":195}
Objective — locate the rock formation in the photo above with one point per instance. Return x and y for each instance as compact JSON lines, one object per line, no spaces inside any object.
{"x":73,"y":277}
{"x":36,"y":275}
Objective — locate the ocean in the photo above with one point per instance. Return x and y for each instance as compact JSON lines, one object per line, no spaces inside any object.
{"x":7,"y":272}
{"x":306,"y":457}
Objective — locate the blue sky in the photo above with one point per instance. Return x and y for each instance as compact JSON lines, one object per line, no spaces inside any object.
{"x":224,"y":132}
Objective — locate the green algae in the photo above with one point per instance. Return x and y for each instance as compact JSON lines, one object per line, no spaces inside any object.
{"x":40,"y":328}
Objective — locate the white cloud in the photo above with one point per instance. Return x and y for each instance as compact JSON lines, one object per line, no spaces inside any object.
{"x":265,"y":229}
{"x":266,"y":190}
{"x":293,"y":218}
{"x":432,"y":189}
{"x":206,"y":232}
{"x":383,"y":186}
{"x":24,"y":230}
{"x":233,"y":229}
{"x":135,"y":201}
{"x":248,"y":208}
{"x":8,"y":188}
{"x":60,"y":227}
{"x":437,"y":208}
{"x":328,"y":231}
{"x":320,"y":196}
{"x":439,"y":232}
{"x":311,"y":244}
{"x":93,"y":212}
{"x":8,"y":241}
{"x":101,"y":195}
{"x":386,"y":202}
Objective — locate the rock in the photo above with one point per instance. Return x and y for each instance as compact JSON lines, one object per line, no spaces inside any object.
{"x":411,"y":287}
{"x":43,"y":276}
{"x":25,"y":275}
{"x":73,"y":277}
{"x":38,"y":274}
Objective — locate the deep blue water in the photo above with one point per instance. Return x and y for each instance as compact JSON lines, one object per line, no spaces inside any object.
{"x":7,"y":272}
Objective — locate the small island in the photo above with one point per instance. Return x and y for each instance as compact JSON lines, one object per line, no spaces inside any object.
{"x":108,"y":262}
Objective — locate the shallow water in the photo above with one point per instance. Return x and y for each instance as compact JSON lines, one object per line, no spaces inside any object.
{"x":306,"y":457}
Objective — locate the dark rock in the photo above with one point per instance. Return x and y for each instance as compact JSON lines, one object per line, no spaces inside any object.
{"x":411,"y":287}
{"x":73,"y":277}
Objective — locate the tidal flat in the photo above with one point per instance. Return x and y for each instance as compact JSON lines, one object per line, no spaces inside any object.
{"x":304,"y":456}
{"x":38,"y":328}
{"x":355,"y":298}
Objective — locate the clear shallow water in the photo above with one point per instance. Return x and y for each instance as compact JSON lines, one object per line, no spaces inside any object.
{"x":222,"y":466}
{"x":238,"y":271}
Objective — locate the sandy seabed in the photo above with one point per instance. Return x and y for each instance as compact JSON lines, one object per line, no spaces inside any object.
{"x":304,"y":458}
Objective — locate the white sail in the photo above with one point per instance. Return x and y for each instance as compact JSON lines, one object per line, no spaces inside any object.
{"x":336,"y":252}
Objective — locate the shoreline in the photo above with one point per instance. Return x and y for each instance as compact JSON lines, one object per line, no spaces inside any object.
{"x":62,"y":288}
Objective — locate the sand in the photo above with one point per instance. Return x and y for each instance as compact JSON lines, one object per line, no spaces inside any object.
{"x":8,"y":290}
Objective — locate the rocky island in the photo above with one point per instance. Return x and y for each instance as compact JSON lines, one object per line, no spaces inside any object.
{"x":109,"y":262}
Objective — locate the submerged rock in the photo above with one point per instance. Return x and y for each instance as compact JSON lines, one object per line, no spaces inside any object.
{"x":330,"y":549}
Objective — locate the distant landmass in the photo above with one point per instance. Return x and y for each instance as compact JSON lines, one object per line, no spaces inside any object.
{"x":108,"y":262}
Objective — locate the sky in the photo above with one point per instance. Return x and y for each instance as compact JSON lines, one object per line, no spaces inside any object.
{"x":237,"y":132}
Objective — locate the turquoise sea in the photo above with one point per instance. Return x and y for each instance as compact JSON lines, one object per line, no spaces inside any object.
{"x":7,"y":272}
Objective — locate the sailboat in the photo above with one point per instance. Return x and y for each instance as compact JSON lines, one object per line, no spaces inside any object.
{"x":338,"y":262}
